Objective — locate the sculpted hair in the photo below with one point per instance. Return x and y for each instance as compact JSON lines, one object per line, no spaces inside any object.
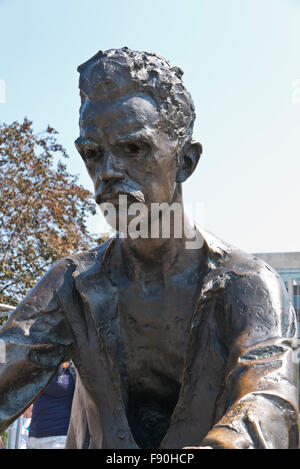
{"x":119,"y":72}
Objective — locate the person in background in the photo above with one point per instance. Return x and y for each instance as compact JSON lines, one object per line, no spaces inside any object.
{"x":26,"y":419}
{"x":51,"y":411}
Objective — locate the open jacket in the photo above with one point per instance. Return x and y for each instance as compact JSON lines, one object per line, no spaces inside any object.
{"x":238,"y":386}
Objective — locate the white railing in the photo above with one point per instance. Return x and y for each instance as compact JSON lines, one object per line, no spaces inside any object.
{"x":6,"y":310}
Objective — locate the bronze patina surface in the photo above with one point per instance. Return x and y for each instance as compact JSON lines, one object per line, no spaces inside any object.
{"x":173,"y":347}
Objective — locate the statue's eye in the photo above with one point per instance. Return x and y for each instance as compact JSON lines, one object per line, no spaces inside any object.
{"x":134,"y":149}
{"x":92,"y":155}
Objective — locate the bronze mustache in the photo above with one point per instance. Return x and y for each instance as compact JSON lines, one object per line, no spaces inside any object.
{"x":110,"y":193}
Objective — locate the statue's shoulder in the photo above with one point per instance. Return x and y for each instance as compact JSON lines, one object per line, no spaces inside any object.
{"x":234,"y":267}
{"x":86,"y":261}
{"x":251,"y":293}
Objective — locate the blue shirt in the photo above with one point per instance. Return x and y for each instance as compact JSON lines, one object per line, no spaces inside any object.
{"x":51,"y":411}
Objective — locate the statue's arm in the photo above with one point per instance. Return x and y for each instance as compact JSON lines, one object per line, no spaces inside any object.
{"x":34,"y":341}
{"x":258,"y":405}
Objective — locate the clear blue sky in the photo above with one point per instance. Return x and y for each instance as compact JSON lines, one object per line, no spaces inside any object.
{"x":240,"y":58}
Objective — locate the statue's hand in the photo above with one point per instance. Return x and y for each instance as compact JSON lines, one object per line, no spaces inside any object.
{"x":197,"y":447}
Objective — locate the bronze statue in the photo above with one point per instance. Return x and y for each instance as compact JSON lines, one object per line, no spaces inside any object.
{"x":173,"y":347}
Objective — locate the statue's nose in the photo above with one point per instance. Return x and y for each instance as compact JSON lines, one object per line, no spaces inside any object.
{"x":111,"y":168}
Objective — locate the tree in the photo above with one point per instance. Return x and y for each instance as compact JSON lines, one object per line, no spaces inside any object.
{"x":43,"y":210}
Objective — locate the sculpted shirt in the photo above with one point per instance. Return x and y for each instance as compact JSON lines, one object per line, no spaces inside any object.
{"x":238,"y":387}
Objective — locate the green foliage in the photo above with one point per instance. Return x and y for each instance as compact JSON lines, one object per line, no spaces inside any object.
{"x":43,"y":210}
{"x":3,"y":439}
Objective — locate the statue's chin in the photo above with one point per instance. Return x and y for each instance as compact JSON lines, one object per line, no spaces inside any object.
{"x":119,"y":219}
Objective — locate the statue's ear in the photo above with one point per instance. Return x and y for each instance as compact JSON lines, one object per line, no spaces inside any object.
{"x":189,"y":158}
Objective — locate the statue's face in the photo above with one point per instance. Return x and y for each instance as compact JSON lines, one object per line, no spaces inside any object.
{"x":127,"y":150}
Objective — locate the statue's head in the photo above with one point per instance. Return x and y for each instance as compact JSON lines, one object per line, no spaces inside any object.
{"x":136,"y":124}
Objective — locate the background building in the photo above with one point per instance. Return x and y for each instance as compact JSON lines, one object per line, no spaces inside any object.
{"x":287,"y":264}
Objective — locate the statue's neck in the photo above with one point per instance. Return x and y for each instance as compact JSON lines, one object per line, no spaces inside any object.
{"x":161,"y":251}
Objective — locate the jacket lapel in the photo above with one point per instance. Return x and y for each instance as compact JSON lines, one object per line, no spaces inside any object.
{"x":100,"y":297}
{"x":193,"y":415}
